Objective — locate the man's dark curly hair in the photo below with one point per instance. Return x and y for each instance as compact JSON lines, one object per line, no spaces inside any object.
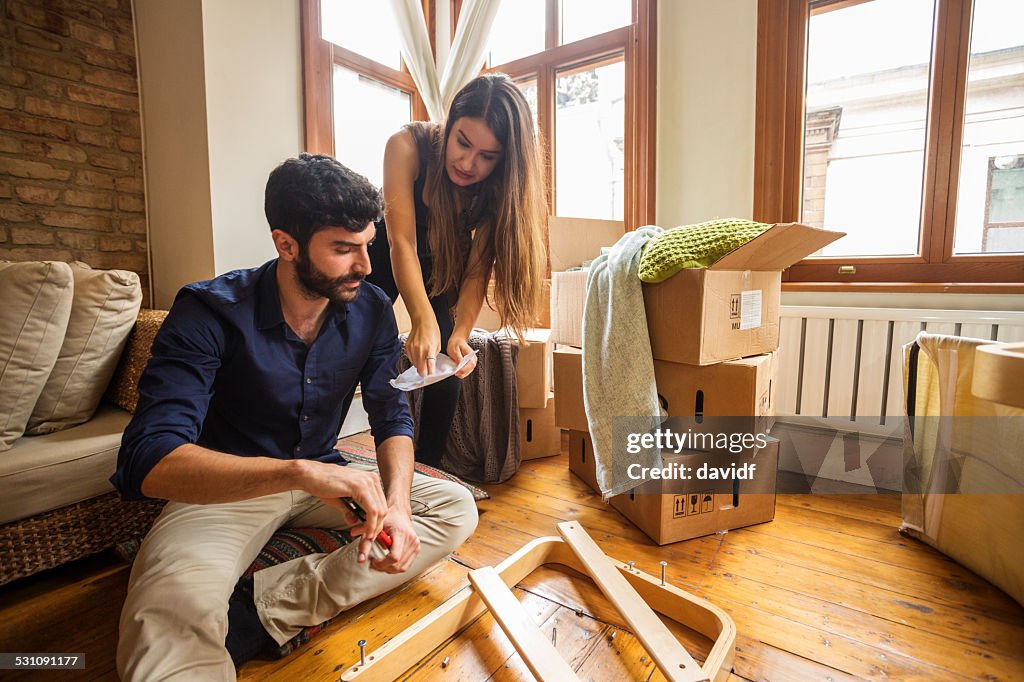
{"x":314,"y":191}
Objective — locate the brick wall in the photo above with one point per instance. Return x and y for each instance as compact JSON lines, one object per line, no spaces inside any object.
{"x":70,"y":149}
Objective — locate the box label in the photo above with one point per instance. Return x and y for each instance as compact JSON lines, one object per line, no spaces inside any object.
{"x":750,"y":309}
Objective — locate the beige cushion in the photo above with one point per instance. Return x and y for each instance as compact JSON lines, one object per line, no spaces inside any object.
{"x":41,"y":473}
{"x":33,"y":316}
{"x":103,"y":311}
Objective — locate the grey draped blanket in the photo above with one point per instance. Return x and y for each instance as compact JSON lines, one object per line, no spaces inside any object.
{"x":483,"y":444}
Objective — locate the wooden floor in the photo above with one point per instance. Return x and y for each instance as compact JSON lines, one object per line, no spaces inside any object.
{"x":827,"y":591}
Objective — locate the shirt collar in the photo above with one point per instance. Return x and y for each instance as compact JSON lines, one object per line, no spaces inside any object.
{"x":268,"y":304}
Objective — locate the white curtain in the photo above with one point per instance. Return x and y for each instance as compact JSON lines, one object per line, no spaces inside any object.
{"x":464,"y":60}
{"x":412,"y":27}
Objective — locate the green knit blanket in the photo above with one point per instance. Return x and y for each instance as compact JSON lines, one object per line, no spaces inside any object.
{"x":694,"y":246}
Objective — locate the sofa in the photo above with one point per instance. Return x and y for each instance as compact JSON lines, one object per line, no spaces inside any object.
{"x":73,"y":342}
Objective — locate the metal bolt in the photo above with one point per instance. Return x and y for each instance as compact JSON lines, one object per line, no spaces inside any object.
{"x":444,"y":663}
{"x":629,"y":564}
{"x":554,"y":636}
{"x":664,"y":565}
{"x":611,"y":638}
{"x":362,"y":651}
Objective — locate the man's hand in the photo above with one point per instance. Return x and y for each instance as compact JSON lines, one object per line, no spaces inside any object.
{"x":330,"y":482}
{"x":405,"y":545}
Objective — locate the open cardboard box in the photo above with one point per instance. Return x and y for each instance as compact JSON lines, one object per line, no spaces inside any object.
{"x":729,"y":310}
{"x":572,"y":242}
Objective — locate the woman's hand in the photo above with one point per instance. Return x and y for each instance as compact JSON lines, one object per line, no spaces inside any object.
{"x":423,"y":345}
{"x":458,"y":346}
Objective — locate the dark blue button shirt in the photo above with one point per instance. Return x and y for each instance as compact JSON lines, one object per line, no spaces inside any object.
{"x":229,"y":374}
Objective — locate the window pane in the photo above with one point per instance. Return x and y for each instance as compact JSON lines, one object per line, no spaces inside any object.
{"x":990,"y":195}
{"x":518,"y":31}
{"x":529,"y":90}
{"x":590,"y":122}
{"x":368,"y":28}
{"x":585,"y":18}
{"x":366,"y":114}
{"x":867,"y":104}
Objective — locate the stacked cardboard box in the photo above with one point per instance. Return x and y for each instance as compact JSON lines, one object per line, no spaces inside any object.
{"x":539,"y":436}
{"x":713,"y":332}
{"x":574,"y":242}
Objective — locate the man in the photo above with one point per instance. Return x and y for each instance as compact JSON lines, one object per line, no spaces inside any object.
{"x":239,"y":409}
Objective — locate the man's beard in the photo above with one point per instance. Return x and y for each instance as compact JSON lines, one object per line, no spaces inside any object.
{"x":316,"y":283}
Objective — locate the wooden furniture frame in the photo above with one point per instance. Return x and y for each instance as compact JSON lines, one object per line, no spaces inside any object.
{"x":636,"y":594}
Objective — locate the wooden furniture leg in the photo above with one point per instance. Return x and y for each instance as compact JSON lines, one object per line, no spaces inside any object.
{"x":536,"y":651}
{"x":674,"y":662}
{"x":414,"y":643}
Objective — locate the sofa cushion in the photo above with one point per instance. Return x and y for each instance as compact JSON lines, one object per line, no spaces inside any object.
{"x":33,"y":317}
{"x":103,"y":310}
{"x":41,"y":473}
{"x":123,"y":390}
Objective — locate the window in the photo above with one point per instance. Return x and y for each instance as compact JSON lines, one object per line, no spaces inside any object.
{"x":898,"y":122}
{"x":587,"y":69}
{"x":589,"y":139}
{"x":357,"y":90}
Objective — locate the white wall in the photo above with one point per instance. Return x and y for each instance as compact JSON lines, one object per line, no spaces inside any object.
{"x":706,"y":87}
{"x":169,"y":39}
{"x":253,"y":57}
{"x":220,"y":84}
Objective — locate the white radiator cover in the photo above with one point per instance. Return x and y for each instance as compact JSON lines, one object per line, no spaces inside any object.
{"x":840,"y":373}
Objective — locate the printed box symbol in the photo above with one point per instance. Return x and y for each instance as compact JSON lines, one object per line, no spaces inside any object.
{"x":707,"y":501}
{"x":734,"y":306}
{"x":693,"y":504}
{"x":679,"y":506}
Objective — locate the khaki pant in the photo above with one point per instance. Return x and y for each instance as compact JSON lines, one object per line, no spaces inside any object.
{"x":174,"y":619}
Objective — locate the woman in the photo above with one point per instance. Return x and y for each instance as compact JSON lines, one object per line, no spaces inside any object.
{"x":463,"y":200}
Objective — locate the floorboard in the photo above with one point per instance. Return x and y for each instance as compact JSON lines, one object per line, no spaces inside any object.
{"x":827,"y":591}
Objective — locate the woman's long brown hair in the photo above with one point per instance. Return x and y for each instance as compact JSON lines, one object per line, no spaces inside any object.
{"x":509,"y":209}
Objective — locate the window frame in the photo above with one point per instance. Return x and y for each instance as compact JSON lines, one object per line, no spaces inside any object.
{"x":637,"y":43}
{"x":320,"y":56}
{"x":779,"y":139}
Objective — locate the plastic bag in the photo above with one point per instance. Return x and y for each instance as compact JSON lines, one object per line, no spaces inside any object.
{"x":444,"y":367}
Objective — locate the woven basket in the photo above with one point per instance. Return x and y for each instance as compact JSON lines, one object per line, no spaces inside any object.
{"x":78,"y":530}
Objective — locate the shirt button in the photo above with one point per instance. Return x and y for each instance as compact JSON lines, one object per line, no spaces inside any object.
{"x":309,"y":380}
{"x":305,"y":417}
{"x":297,"y":449}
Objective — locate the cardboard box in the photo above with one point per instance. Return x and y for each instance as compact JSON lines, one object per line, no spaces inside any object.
{"x":742,"y":390}
{"x":581,"y":458}
{"x":568,"y":295}
{"x":533,"y":369}
{"x":568,"y":370}
{"x":538,"y":434}
{"x":489,"y":320}
{"x":731,"y":309}
{"x":672,"y":511}
{"x":573,"y":241}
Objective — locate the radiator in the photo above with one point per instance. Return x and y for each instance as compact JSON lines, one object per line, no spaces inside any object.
{"x":844,"y":366}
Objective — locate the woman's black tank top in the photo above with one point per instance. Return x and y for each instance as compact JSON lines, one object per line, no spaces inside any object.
{"x":382,"y":274}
